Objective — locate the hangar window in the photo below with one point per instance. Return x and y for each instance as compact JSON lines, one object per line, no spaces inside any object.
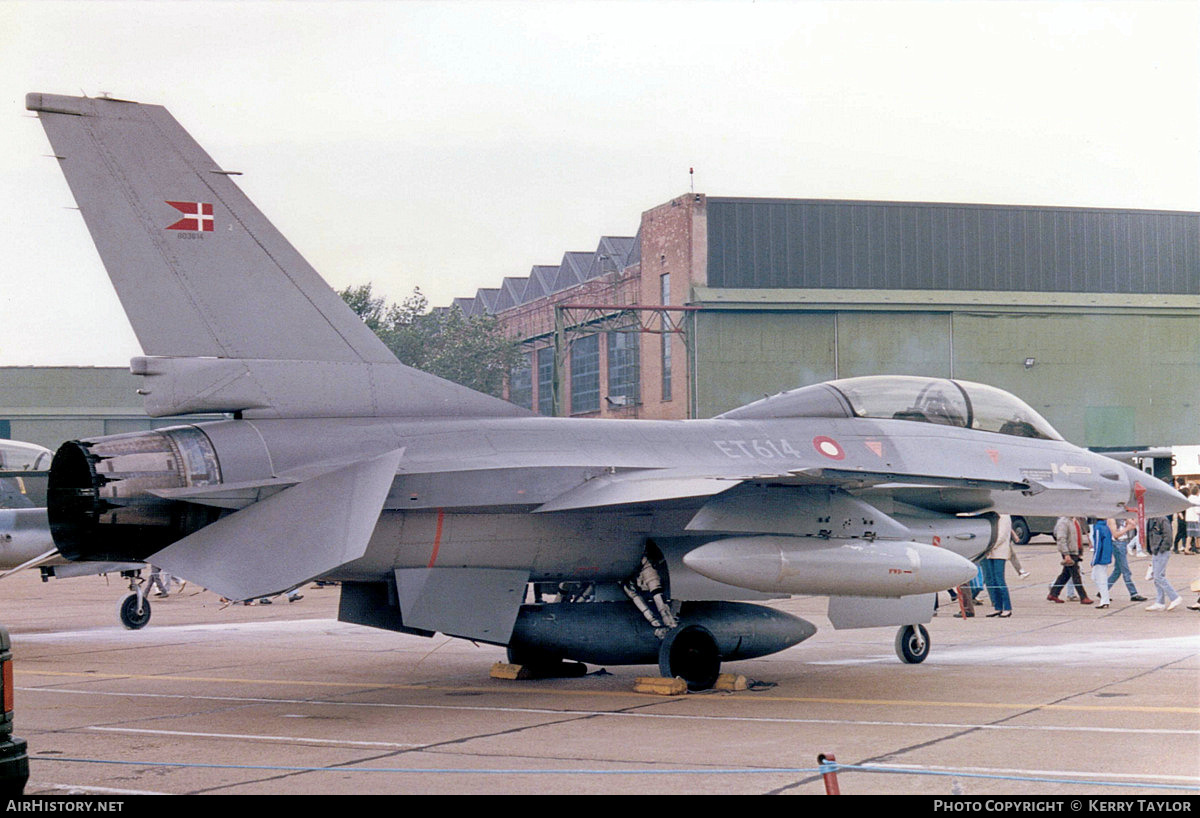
{"x":520,"y":383}
{"x":585,"y":374}
{"x":624,"y":377}
{"x":545,"y":382}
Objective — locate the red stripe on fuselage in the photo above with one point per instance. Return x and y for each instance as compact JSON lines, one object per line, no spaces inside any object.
{"x":437,"y":539}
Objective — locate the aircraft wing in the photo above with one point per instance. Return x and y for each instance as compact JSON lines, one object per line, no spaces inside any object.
{"x":640,"y":486}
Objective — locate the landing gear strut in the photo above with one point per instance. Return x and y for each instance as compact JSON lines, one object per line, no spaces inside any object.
{"x":134,"y":609}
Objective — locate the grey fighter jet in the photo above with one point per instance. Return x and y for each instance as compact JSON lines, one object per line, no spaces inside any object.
{"x":443,"y":510}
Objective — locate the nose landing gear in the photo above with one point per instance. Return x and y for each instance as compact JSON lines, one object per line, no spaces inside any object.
{"x":912,"y":644}
{"x":134,"y":609}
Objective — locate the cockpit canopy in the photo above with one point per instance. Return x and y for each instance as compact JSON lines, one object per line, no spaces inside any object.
{"x":18,"y":456}
{"x":900,"y":397}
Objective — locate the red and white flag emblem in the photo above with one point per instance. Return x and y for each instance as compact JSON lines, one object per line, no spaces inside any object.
{"x":198,"y":217}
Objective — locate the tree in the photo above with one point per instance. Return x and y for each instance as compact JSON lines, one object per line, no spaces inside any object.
{"x":470,"y":351}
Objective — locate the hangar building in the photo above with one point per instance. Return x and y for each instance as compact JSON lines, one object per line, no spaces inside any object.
{"x":48,"y":405}
{"x":1090,"y":315}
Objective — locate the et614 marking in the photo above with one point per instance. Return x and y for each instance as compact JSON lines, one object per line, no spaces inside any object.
{"x":766,"y":449}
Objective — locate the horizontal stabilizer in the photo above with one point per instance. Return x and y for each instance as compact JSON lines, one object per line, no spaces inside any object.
{"x":288,"y":538}
{"x":40,"y":559}
{"x":638,"y":487}
{"x":227,"y":495}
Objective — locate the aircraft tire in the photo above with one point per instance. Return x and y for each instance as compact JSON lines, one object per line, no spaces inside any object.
{"x":128,"y":611}
{"x":912,"y":644}
{"x":691,"y":654}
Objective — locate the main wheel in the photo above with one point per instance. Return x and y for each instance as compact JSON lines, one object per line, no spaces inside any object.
{"x":533,"y":658}
{"x":691,"y":654}
{"x":132,"y":615}
{"x":912,"y":644}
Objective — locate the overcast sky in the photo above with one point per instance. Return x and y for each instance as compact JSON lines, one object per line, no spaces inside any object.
{"x":446,"y":145}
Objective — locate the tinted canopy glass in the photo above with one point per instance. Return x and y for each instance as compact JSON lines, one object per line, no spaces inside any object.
{"x":945,"y":402}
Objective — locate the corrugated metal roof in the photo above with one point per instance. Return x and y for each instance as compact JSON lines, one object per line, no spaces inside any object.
{"x":512,"y":293}
{"x":541,"y":279}
{"x":911,"y":245}
{"x":612,"y":255}
{"x":572,"y":270}
{"x":486,"y":298}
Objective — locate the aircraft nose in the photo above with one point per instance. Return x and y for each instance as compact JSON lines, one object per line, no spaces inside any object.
{"x":1160,"y":499}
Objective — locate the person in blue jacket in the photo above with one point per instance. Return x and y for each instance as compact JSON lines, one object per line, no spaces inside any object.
{"x":1102,"y":558}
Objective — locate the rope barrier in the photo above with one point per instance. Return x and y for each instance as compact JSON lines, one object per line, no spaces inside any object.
{"x":445,"y":771}
{"x":829,"y":769}
{"x":833,"y":768}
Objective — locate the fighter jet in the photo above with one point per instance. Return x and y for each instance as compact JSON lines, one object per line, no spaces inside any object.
{"x":440,"y":509}
{"x":25,"y":540}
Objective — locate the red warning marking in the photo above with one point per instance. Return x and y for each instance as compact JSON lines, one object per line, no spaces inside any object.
{"x":437,"y":538}
{"x":875,"y":446}
{"x":829,"y":447}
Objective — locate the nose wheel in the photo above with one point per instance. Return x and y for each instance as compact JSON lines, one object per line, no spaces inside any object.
{"x":912,"y":644}
{"x":134,"y":611}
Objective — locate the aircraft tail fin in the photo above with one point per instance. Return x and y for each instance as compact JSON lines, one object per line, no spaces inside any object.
{"x":201,"y":273}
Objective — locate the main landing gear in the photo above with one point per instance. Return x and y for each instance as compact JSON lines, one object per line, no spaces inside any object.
{"x":691,"y":653}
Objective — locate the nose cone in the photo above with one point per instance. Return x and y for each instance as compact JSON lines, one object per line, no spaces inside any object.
{"x":1159,"y":498}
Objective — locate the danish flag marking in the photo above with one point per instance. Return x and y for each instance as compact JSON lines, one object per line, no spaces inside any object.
{"x":198,"y":217}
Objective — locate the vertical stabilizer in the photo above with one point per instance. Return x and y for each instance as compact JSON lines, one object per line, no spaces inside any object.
{"x":202,"y":274}
{"x":199,"y":270}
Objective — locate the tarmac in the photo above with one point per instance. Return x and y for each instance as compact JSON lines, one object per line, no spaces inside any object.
{"x":282,"y":699}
